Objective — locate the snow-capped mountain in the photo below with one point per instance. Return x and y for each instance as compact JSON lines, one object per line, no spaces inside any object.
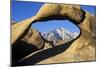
{"x":60,"y":34}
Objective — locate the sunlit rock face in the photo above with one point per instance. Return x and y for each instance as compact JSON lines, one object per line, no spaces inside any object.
{"x":72,"y":12}
{"x":80,"y":49}
{"x":83,"y":48}
{"x":32,"y":37}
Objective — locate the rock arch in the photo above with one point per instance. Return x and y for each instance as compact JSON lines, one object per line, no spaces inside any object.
{"x":82,"y":49}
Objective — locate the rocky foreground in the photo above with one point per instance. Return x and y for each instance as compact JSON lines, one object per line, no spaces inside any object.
{"x":29,"y":47}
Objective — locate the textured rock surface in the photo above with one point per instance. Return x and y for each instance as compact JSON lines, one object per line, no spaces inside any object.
{"x":34,"y":37}
{"x":83,"y":48}
{"x":21,"y":28}
{"x":28,"y":44}
{"x":72,"y":12}
{"x":80,"y":49}
{"x":31,"y":41}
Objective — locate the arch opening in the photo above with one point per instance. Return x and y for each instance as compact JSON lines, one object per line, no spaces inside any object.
{"x":57,"y":31}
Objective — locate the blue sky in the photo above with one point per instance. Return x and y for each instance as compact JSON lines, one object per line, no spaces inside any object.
{"x":22,"y":10}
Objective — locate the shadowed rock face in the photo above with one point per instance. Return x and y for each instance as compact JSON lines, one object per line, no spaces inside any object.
{"x":81,"y":49}
{"x":28,"y":44}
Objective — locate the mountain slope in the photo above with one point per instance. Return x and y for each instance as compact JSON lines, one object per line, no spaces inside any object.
{"x":60,"y":34}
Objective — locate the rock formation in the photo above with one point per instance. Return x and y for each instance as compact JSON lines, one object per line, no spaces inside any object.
{"x":81,"y":49}
{"x":20,"y":28}
{"x":60,"y":11}
{"x":31,"y":41}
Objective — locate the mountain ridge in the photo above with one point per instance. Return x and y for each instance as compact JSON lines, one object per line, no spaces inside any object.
{"x":60,"y":34}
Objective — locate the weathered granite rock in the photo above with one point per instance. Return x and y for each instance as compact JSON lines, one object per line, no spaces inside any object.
{"x":34,"y":37}
{"x":60,"y":11}
{"x":30,"y":42}
{"x":80,"y":49}
{"x":83,"y":48}
{"x":20,"y":29}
